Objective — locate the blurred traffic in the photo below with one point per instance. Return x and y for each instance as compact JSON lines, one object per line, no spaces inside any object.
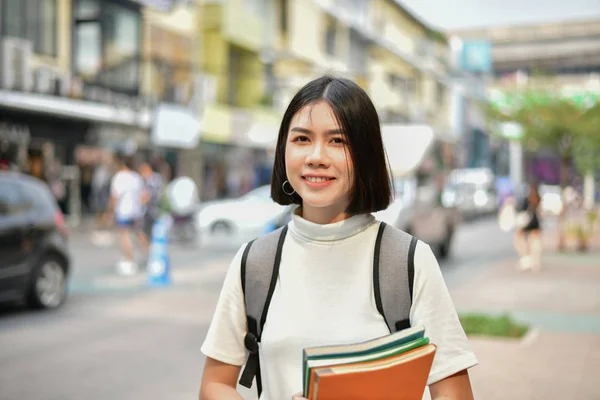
{"x":33,"y":243}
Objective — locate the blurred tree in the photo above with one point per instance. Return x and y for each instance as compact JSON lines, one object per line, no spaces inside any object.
{"x":568,"y":123}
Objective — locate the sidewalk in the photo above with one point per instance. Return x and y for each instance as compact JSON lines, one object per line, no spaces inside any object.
{"x":560,"y":356}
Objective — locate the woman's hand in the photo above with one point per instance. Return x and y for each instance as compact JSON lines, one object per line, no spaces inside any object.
{"x":298,"y":396}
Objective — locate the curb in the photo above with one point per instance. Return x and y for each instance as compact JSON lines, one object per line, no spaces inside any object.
{"x":547,"y":321}
{"x":185,"y":276}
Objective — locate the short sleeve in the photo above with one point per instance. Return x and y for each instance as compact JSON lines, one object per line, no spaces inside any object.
{"x":433,"y":308}
{"x":225,"y":338}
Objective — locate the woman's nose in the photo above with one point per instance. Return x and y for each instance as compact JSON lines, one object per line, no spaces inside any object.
{"x":317,"y":156}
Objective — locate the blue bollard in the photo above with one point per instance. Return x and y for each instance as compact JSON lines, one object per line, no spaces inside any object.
{"x":158,"y":262}
{"x":269,"y":227}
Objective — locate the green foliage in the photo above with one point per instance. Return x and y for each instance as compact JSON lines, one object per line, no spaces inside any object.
{"x":592,"y":217}
{"x":586,"y":145}
{"x":568,"y":125}
{"x":486,"y":325}
{"x":579,"y":231}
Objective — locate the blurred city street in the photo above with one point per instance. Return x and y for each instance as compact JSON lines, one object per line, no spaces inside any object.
{"x":143,"y":141}
{"x":117,"y":338}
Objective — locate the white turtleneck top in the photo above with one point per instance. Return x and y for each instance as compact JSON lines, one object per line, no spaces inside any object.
{"x":324,"y":296}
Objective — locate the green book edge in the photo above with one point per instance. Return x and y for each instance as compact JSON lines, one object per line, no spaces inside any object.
{"x":373,"y":356}
{"x":405,"y":339}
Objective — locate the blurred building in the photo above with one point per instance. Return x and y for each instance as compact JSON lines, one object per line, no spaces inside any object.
{"x":81,"y":77}
{"x":261,"y":52}
{"x":398,"y":59}
{"x":239,"y":123}
{"x":203,"y":83}
{"x":562,"y":56}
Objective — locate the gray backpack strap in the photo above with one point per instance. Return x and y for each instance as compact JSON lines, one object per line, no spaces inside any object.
{"x":393,"y":275}
{"x":259,"y":272}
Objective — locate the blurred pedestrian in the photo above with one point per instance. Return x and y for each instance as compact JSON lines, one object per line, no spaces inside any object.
{"x":153,"y":187}
{"x":330,"y":163}
{"x":101,"y":182}
{"x":183,"y":199}
{"x":161,"y":166}
{"x":126,"y":202}
{"x":56,"y":182}
{"x":527,"y":239}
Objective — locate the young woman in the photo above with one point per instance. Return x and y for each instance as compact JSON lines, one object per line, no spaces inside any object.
{"x":527,"y":240}
{"x":331,"y":162}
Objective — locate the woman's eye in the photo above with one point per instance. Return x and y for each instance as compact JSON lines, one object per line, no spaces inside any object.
{"x":337,"y":140}
{"x":300,"y":139}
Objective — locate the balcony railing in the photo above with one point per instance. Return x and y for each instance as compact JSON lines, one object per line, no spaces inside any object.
{"x":158,"y":79}
{"x":375,"y":34}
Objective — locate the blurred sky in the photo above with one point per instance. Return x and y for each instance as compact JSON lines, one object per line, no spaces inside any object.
{"x":453,"y":14}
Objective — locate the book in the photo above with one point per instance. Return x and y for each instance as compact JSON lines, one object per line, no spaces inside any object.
{"x":401,"y":377}
{"x":312,"y":365}
{"x":372,"y":349}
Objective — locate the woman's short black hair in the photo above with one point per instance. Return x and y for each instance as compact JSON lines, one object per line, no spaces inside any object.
{"x":356,"y":115}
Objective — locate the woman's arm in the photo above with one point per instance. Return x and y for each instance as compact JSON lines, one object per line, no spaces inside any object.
{"x":219,"y":381}
{"x":454,"y":387}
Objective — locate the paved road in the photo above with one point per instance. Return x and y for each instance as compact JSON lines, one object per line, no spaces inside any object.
{"x":130,"y":342}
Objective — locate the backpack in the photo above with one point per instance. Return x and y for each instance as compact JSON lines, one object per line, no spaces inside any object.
{"x":393,"y":275}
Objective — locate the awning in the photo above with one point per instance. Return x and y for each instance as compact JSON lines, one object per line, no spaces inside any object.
{"x":71,"y":108}
{"x":175,"y":126}
{"x":162,"y":5}
{"x":406,"y":146}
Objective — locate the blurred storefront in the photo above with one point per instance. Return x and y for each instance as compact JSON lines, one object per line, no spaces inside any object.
{"x":70,"y":90}
{"x":237,"y":150}
{"x":231,"y":171}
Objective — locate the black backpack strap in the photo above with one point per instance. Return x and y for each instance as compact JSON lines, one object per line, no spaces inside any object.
{"x":259,"y":272}
{"x":393,"y":275}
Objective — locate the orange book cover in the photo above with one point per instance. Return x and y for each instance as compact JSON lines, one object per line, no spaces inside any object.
{"x":402,"y":377}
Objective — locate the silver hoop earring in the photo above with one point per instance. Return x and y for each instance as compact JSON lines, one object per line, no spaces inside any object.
{"x":283,"y":188}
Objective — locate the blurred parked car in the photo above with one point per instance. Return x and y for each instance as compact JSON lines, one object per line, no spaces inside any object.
{"x":472,"y":191}
{"x":417,"y":207}
{"x":417,"y":210}
{"x":242,"y":219}
{"x":34,"y":257}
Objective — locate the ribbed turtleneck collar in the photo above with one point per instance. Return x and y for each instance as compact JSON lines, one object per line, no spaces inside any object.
{"x":329,"y":232}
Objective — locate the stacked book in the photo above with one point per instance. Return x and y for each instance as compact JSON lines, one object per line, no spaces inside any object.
{"x":394,"y":366}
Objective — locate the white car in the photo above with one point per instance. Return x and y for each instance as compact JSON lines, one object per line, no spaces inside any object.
{"x":243,"y":219}
{"x":472,"y":191}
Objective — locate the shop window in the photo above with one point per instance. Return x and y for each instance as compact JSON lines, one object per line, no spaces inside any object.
{"x":122,"y":34}
{"x":171,"y":56}
{"x":358,"y":52}
{"x":440,"y":94}
{"x":31,"y":19}
{"x":330,"y":36}
{"x":88,"y":54}
{"x":108,"y":42}
{"x":234,"y":75}
{"x":283,"y":16}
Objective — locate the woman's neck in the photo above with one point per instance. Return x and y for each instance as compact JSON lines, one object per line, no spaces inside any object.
{"x":323,"y":215}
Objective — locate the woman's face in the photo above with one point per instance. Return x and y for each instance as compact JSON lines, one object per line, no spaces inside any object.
{"x":317,"y":161}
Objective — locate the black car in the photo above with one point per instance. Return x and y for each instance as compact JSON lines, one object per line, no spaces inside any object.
{"x":34,"y":258}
